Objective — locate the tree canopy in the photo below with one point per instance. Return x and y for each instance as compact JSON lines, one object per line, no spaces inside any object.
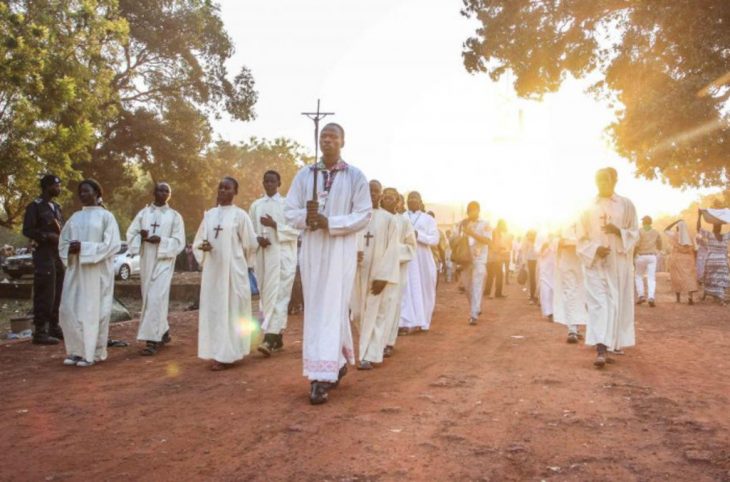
{"x":111,"y":89}
{"x":665,"y":66}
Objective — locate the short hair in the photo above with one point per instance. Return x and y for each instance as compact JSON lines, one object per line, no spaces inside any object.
{"x":377,"y":182}
{"x":335,"y":125}
{"x":473,"y":204}
{"x":164,"y":183}
{"x":273,"y":173}
{"x":233,"y":180}
{"x":393,"y":190}
{"x":93,"y":184}
{"x":647,"y":218}
{"x":415,"y":193}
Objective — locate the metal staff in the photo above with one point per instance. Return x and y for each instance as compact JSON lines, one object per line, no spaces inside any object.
{"x":316,"y":117}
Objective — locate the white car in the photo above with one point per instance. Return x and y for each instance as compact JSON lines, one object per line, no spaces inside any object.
{"x":126,"y":264}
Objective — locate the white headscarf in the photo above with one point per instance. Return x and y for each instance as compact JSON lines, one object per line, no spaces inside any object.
{"x":683,"y":236}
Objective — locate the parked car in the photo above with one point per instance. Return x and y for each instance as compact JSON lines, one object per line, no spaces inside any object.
{"x":126,"y":264}
{"x":18,"y":265}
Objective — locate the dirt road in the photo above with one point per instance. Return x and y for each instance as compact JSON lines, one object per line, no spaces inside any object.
{"x":505,"y":400}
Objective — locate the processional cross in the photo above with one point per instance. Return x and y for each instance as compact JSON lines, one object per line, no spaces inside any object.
{"x":316,"y":117}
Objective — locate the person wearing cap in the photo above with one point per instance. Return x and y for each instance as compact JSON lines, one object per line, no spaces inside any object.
{"x":647,"y":249}
{"x":42,"y":225}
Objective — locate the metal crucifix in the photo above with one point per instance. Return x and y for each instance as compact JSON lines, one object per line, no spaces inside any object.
{"x":316,"y":117}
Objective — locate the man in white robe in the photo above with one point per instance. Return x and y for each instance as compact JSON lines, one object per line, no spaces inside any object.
{"x":569,"y":305}
{"x":158,"y":233}
{"x":406,"y":252}
{"x":276,"y":261}
{"x":546,"y":277}
{"x":224,"y":246}
{"x":378,"y":274}
{"x":480,"y":237}
{"x":607,"y":233}
{"x":420,"y":297}
{"x":328,"y":257}
{"x":87,"y":245}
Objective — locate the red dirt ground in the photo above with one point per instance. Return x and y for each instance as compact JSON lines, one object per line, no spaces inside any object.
{"x":505,"y":400}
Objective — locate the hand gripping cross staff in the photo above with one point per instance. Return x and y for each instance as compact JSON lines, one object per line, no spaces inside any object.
{"x":313,"y":204}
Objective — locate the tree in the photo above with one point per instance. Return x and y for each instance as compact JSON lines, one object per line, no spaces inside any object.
{"x":110,"y":89}
{"x":665,"y":65}
{"x":169,"y":77}
{"x":52,"y":90}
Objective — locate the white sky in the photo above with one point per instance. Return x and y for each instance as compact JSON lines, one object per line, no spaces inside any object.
{"x":414,"y":118}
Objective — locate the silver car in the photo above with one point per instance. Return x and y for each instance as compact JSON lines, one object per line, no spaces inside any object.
{"x":126,"y":264}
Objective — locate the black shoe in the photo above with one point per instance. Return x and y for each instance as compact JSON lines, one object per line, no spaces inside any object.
{"x":340,"y":376}
{"x":277,"y":342}
{"x":56,"y":332}
{"x":265,"y":348}
{"x":45,"y":339}
{"x":318,"y":394}
{"x":166,"y":338}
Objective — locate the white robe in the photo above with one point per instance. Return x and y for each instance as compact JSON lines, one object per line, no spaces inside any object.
{"x":276,"y":265}
{"x":546,"y":267}
{"x":569,"y":300}
{"x":407,"y":252}
{"x":157,"y":265}
{"x":420,"y":297}
{"x":380,"y":245}
{"x":609,"y":282}
{"x":328,"y":263}
{"x":88,"y":285}
{"x":224,"y":321}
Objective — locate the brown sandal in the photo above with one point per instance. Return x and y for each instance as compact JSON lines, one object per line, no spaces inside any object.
{"x":218,"y":366}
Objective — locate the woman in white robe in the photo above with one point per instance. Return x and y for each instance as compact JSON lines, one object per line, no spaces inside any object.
{"x":87,"y":246}
{"x":225,"y":247}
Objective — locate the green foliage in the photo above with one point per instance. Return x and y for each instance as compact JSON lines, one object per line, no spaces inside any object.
{"x":117,"y":90}
{"x":665,"y":63}
{"x":52,"y":90}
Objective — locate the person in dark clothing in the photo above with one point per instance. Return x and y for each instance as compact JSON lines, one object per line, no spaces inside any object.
{"x":42,"y":225}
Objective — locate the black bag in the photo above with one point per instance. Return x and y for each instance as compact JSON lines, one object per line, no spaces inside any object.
{"x":460,"y":251}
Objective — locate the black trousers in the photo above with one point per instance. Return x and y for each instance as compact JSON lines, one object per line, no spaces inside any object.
{"x":531,"y":273}
{"x":494,"y":277}
{"x":47,"y":287}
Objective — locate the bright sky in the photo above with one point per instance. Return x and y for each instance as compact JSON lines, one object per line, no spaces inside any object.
{"x":391,"y":70}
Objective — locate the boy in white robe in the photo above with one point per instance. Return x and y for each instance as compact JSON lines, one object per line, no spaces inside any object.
{"x":546,"y":268}
{"x":276,"y":261}
{"x":158,"y":233}
{"x":87,"y":245}
{"x":420,"y":297}
{"x":377,"y":280}
{"x":328,"y":258}
{"x":224,"y":246}
{"x":569,"y":306}
{"x":406,"y":252}
{"x":607,"y":233}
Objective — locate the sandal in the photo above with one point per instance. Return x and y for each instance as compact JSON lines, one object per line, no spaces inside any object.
{"x":218,"y":366}
{"x":150,"y":349}
{"x":116,"y":343}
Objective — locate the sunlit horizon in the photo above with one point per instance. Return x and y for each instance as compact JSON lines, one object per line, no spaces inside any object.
{"x":416,"y":120}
